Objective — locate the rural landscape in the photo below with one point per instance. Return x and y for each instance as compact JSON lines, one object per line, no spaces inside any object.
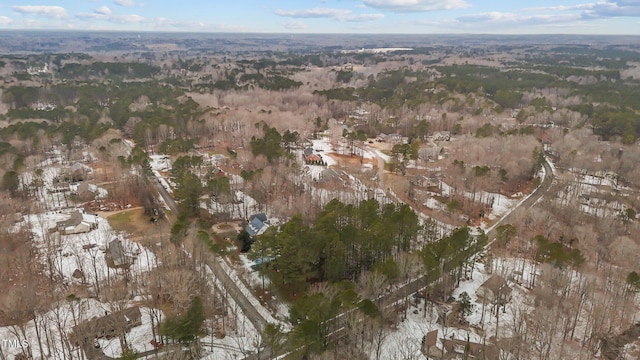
{"x":298,"y":196}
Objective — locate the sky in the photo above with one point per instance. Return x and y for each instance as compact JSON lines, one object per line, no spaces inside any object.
{"x":328,"y":16}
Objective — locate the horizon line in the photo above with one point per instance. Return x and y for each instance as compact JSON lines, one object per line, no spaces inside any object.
{"x":304,"y":33}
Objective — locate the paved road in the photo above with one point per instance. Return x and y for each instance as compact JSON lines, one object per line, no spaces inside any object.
{"x":528,"y":203}
{"x":418,"y":284}
{"x":385,"y":300}
{"x":171,"y":203}
{"x":236,"y":294}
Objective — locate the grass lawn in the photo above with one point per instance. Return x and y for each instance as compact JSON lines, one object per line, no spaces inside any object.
{"x":133,"y":222}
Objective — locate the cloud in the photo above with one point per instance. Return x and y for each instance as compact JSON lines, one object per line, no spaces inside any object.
{"x":5,"y":20}
{"x":416,"y":5}
{"x":503,"y":18}
{"x":363,"y":17}
{"x":329,"y":13}
{"x":116,"y":19}
{"x":598,"y":10}
{"x":127,"y":19}
{"x":56,"y":12}
{"x":550,"y":16}
{"x":613,"y":9}
{"x":493,"y":16}
{"x":313,"y":13}
{"x":103,"y":10}
{"x":295,"y":25}
{"x":559,"y":8}
{"x":125,"y":2}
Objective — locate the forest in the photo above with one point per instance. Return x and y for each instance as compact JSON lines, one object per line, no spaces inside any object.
{"x":316,"y":202}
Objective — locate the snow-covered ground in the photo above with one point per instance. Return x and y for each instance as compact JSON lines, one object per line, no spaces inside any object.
{"x":85,"y":252}
{"x":256,"y":281}
{"x":58,"y":324}
{"x":139,"y":338}
{"x":242,"y":206}
{"x":432,"y":203}
{"x":322,"y":147}
{"x":406,"y":341}
{"x":160,"y":162}
{"x":241,"y":336}
{"x":249,"y":294}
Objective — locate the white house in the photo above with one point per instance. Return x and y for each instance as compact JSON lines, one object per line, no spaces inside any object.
{"x":78,"y":222}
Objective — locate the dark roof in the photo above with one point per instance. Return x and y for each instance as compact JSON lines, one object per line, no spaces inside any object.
{"x":256,"y":223}
{"x":261,"y":216}
{"x":111,"y":325}
{"x":476,"y":350}
{"x":498,"y":285}
{"x":117,"y":253}
{"x":74,"y":219}
{"x":308,"y":151}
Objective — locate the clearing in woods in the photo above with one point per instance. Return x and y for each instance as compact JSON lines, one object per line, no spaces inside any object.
{"x":134,"y":222}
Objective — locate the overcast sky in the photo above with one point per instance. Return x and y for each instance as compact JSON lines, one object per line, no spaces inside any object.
{"x":329,"y":16}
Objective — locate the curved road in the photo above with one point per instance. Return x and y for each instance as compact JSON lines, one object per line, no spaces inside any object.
{"x":421,"y":282}
{"x":412,"y":287}
{"x":527,"y":203}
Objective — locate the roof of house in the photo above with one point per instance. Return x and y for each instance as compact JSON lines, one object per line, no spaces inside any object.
{"x":457,"y":346}
{"x":75,"y":218}
{"x":117,"y":253}
{"x":261,"y":216}
{"x":257,"y":224}
{"x":308,"y":151}
{"x":497,"y":284}
{"x":312,"y":157}
{"x":108,"y":325}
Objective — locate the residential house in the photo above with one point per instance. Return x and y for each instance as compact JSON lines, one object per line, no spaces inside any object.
{"x":109,"y":326}
{"x":455,"y":348}
{"x":425,"y":181}
{"x":308,"y":151}
{"x":429,"y":348}
{"x":77,"y":223}
{"x":313,"y":159}
{"x":257,"y":225}
{"x":495,"y":289}
{"x":118,"y":254}
{"x":394,"y":138}
{"x":84,"y":189}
